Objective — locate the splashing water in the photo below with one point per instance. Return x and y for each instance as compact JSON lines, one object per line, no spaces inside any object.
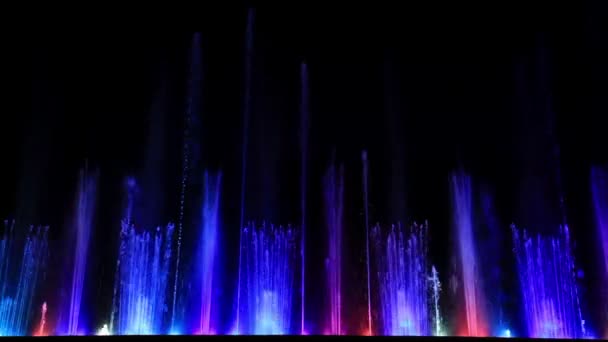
{"x":70,"y":320}
{"x":473,"y":300}
{"x":334,"y":198}
{"x":22,"y":261}
{"x":208,"y":249}
{"x":548,"y":285}
{"x":435,"y":291}
{"x":144,"y":275}
{"x":404,"y":282}
{"x":269,"y":260}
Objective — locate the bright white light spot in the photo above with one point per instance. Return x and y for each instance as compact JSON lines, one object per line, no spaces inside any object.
{"x":104,"y":331}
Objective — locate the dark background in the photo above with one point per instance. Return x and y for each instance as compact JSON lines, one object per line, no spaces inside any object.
{"x":495,"y":91}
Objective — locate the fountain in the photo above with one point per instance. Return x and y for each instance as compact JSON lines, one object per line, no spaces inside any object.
{"x":190,"y":154}
{"x":246,"y":117}
{"x":303,"y":189}
{"x":334,"y":207}
{"x":23,"y":257}
{"x":207,"y":250}
{"x":408,"y":286}
{"x":370,"y":331}
{"x":599,"y":189}
{"x":73,"y":315}
{"x":142,"y":275}
{"x":269,"y":256}
{"x":548,"y":285}
{"x":473,"y":317}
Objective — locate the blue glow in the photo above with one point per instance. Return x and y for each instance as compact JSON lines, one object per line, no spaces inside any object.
{"x":406,"y":285}
{"x":207,"y":250}
{"x":72,"y":309}
{"x":269,"y":256}
{"x":548,"y":284}
{"x":22,"y":259}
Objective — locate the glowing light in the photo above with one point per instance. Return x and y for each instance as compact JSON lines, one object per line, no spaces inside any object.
{"x":103,"y":331}
{"x":474,"y":323}
{"x":175,"y":332}
{"x":334,"y":198}
{"x":22,"y":260}
{"x":208,"y":250}
{"x":506,"y":333}
{"x":269,"y":262}
{"x":406,"y":287}
{"x":550,"y":295}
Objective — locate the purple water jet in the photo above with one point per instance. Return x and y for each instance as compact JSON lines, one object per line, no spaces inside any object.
{"x":208,"y":250}
{"x":473,"y":321}
{"x":334,"y":211}
{"x":72,"y":312}
{"x":599,"y":189}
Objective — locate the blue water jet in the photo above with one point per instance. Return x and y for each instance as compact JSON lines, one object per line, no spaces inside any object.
{"x":72,"y":311}
{"x":207,"y":252}
{"x":548,"y":285}
{"x":408,"y":284}
{"x":23,"y":257}
{"x":269,"y":256}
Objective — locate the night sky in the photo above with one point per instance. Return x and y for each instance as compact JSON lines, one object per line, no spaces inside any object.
{"x":511,"y":95}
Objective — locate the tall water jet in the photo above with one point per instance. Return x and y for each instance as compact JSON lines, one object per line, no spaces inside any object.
{"x":548,"y":285}
{"x":599,"y":189}
{"x":246,"y":116}
{"x":23,"y":257}
{"x":473,"y":299}
{"x":334,"y":218}
{"x":72,"y":315}
{"x":370,"y":331}
{"x":303,"y":189}
{"x":269,"y":261}
{"x":408,"y":286}
{"x":189,"y":153}
{"x":207,"y":250}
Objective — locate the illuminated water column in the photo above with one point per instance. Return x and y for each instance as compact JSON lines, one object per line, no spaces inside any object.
{"x":207,"y":252}
{"x":599,"y":188}
{"x":472,"y":321}
{"x":142,"y":279}
{"x":334,"y":211}
{"x":23,"y":256}
{"x":409,"y":287}
{"x":269,"y":259}
{"x":548,"y":285}
{"x":72,"y":313}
